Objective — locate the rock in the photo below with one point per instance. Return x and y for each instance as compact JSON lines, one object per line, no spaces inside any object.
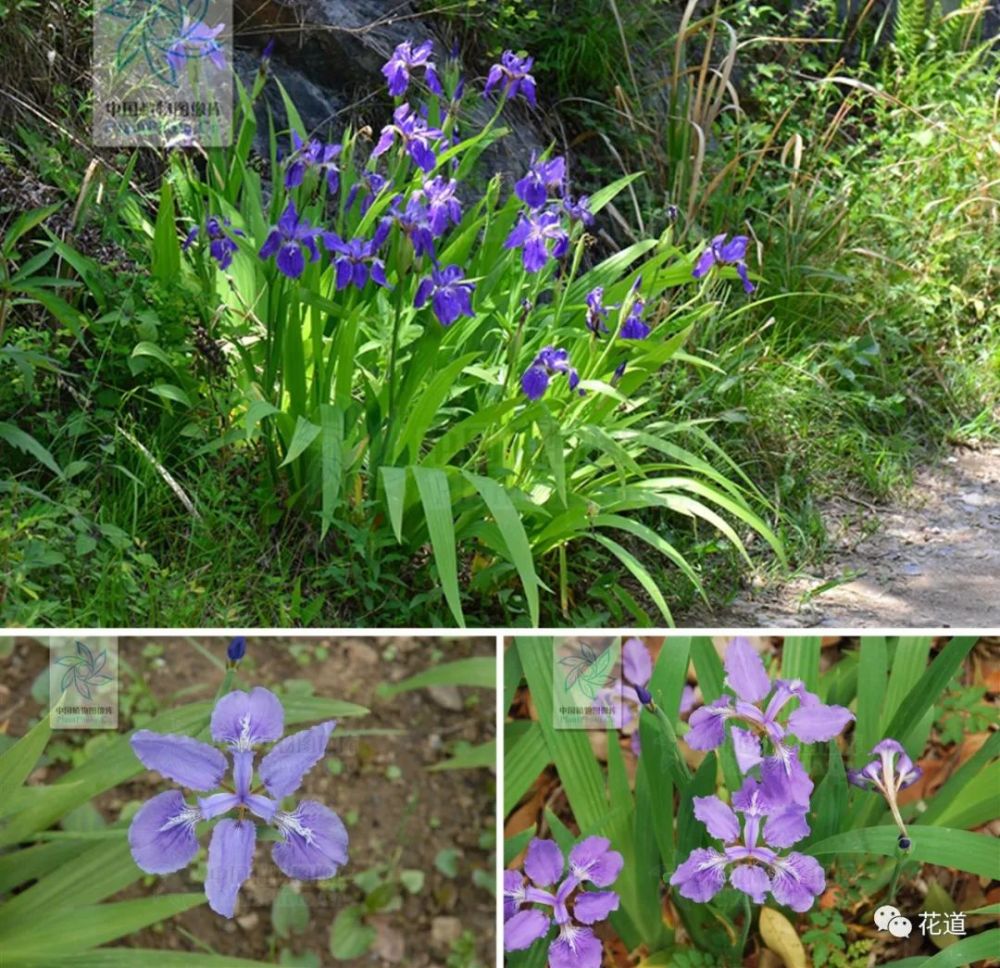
{"x":248,"y":921}
{"x":328,"y":51}
{"x":447,"y":697}
{"x":360,"y":653}
{"x":389,"y":943}
{"x":317,"y":106}
{"x":445,"y":930}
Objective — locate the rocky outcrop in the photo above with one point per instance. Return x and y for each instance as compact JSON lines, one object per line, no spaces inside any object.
{"x":336,"y":43}
{"x":329,"y":54}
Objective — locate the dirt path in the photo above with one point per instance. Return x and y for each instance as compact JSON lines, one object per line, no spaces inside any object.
{"x":931,"y":560}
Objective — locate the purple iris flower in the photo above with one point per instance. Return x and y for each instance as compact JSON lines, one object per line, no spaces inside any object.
{"x":357,"y":260}
{"x":721,"y":252}
{"x":288,"y":239}
{"x":414,"y":133}
{"x":548,"y":362}
{"x":533,"y":234}
{"x":313,"y":840}
{"x":784,"y":778}
{"x":542,"y":176}
{"x":219,"y":232}
{"x":405,"y":58}
{"x":794,"y":879}
{"x":196,"y":41}
{"x":549,"y":885}
{"x":312,"y":154}
{"x":514,"y":73}
{"x":597,"y":312}
{"x":891,"y":770}
{"x":635,"y":327}
{"x":373,"y":184}
{"x":450,"y":294}
{"x":443,"y":206}
{"x":414,"y":221}
{"x":578,"y":210}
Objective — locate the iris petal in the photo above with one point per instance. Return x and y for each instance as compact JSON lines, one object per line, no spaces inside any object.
{"x":161,"y":835}
{"x":245,"y":719}
{"x":544,"y":862}
{"x":745,"y":671}
{"x":524,"y":929}
{"x":230,"y":860}
{"x":283,"y":768}
{"x":314,"y":844}
{"x":184,"y":760}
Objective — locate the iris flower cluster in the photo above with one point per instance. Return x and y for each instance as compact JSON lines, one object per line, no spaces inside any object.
{"x":423,"y":215}
{"x":546,"y":894}
{"x":539,"y":231}
{"x":312,"y":842}
{"x":633,"y":327}
{"x":775,"y":805}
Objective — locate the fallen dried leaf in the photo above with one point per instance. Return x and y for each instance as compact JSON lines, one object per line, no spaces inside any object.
{"x":780,"y":936}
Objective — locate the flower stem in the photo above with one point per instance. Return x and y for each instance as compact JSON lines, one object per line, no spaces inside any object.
{"x":226,"y":685}
{"x":896,"y":871}
{"x":900,"y":857}
{"x":747,"y":918}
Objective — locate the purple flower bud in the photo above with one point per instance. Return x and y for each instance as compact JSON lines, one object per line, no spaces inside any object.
{"x":237,"y":648}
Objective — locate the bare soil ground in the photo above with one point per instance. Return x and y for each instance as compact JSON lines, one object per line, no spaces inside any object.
{"x":933,"y":559}
{"x":398,"y":813}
